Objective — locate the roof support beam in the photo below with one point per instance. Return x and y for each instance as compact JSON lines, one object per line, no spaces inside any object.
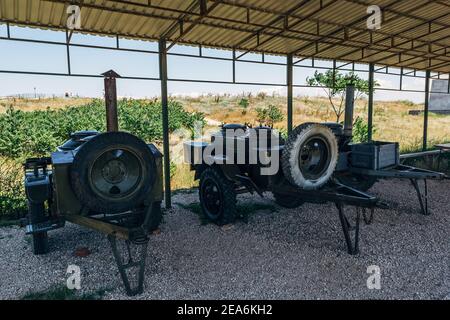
{"x":204,"y":12}
{"x":397,"y":34}
{"x":297,"y":16}
{"x":271,"y":23}
{"x":347,"y":26}
{"x":186,"y":16}
{"x":174,"y":27}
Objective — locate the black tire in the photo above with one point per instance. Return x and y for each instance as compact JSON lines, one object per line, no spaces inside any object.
{"x":217,"y":197}
{"x":134,"y":171}
{"x":310,"y":156}
{"x":357,"y":181}
{"x":286,"y":201}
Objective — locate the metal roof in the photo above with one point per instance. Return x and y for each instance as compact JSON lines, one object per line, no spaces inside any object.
{"x":415,"y":34}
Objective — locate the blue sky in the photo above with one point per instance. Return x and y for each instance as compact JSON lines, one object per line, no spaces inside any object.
{"x":15,"y":55}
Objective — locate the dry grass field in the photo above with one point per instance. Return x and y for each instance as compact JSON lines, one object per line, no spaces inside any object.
{"x":41,"y":104}
{"x":391,"y":119}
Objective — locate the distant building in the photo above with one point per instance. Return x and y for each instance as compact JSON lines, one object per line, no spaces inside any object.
{"x":440,"y":102}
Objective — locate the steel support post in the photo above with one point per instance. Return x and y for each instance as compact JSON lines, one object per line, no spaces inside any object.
{"x":290,"y":92}
{"x":370,"y":107}
{"x":426,"y":110}
{"x":165,"y":119}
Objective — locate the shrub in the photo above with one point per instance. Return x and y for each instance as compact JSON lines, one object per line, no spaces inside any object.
{"x":12,"y":200}
{"x":36,"y":133}
{"x":244,"y":103}
{"x":269,"y":115}
{"x":361,"y":131}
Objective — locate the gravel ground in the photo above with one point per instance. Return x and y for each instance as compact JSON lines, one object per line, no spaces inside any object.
{"x":288,"y":254}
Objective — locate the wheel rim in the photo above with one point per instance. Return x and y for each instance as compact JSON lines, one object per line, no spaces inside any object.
{"x":212,"y":198}
{"x":314,"y":157}
{"x":116,"y":173}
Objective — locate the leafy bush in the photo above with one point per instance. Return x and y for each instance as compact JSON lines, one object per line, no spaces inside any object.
{"x":269,"y":115}
{"x":244,"y":103}
{"x":37,"y":133}
{"x":12,"y":200}
{"x":361,"y":131}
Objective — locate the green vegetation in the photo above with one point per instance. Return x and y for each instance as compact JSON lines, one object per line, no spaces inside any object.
{"x":12,"y":197}
{"x":38,"y":133}
{"x":244,"y":103}
{"x":361,"y":130}
{"x":269,"y":115}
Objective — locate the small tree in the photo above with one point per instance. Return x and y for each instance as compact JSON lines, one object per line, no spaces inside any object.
{"x":269,"y":115}
{"x":335,"y":83}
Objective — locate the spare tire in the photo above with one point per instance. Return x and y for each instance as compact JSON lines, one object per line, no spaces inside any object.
{"x":310,"y":156}
{"x":113,"y":172}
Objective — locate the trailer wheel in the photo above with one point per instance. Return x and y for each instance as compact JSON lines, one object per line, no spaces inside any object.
{"x":357,"y":181}
{"x":310,"y":156}
{"x":217,"y":197}
{"x":113,"y":172}
{"x":286,"y":201}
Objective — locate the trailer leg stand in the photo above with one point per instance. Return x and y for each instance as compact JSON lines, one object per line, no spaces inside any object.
{"x":423,"y":198}
{"x":123,"y":267}
{"x":368,"y":219}
{"x":347,"y":228}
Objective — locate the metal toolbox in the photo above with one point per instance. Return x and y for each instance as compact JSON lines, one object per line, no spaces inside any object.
{"x":375,"y":155}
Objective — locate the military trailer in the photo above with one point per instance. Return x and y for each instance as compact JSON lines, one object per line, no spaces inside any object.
{"x":317,"y":163}
{"x":110,"y":182}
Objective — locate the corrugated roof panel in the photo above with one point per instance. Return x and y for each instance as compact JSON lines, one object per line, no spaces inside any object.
{"x":418,"y":29}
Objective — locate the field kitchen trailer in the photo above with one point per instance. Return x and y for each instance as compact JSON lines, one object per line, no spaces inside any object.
{"x":318,"y":164}
{"x":110,"y":182}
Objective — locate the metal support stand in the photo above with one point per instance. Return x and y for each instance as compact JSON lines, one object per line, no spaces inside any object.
{"x":368,"y":219}
{"x":347,"y":228}
{"x":423,"y":198}
{"x":123,"y":267}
